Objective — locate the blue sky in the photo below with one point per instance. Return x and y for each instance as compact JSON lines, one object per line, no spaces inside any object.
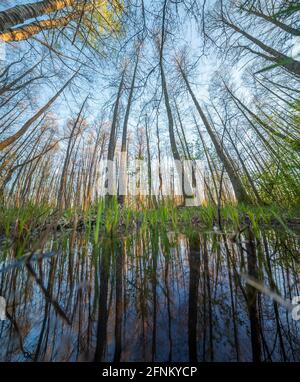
{"x":105,"y":73}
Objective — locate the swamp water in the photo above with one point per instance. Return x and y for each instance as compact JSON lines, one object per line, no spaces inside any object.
{"x":153,"y":296}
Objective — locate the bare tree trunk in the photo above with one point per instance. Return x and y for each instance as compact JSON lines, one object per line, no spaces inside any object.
{"x":237,"y":185}
{"x":159,"y":160}
{"x":149,"y":165}
{"x":91,"y":172}
{"x":281,"y":59}
{"x":27,"y":31}
{"x":8,"y":141}
{"x":123,"y":159}
{"x":62,"y":190}
{"x":273,"y":20}
{"x":21,"y":13}
{"x":112,"y":137}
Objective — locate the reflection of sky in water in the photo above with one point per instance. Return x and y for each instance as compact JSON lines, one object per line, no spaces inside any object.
{"x":72,"y":280}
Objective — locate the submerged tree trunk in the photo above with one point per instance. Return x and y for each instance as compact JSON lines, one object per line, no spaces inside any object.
{"x":194,"y":264}
{"x":101,"y":336}
{"x":252,"y":296}
{"x":119,"y":255}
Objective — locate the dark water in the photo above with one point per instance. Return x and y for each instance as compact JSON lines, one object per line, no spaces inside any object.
{"x":153,"y":296}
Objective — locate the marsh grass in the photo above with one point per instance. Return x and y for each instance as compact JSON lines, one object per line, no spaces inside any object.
{"x":109,"y":219}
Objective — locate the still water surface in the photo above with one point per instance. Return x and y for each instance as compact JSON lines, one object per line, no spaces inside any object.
{"x":155,"y":296}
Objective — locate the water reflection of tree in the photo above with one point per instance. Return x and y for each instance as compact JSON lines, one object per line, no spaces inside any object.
{"x":156,"y":296}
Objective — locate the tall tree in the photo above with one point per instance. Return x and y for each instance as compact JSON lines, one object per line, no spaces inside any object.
{"x":237,"y":185}
{"x":123,"y":160}
{"x":10,"y":140}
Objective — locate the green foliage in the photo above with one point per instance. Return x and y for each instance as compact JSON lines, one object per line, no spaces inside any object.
{"x":22,"y":225}
{"x":279,"y":184}
{"x":105,"y":18}
{"x":287,"y":9}
{"x":21,"y":221}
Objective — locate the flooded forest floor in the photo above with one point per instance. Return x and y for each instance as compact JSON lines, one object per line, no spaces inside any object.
{"x":164,"y":284}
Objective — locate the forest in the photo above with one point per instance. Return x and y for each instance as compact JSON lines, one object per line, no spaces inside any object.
{"x":150,"y":180}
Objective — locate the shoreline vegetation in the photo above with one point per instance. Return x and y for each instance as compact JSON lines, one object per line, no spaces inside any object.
{"x":100,"y":220}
